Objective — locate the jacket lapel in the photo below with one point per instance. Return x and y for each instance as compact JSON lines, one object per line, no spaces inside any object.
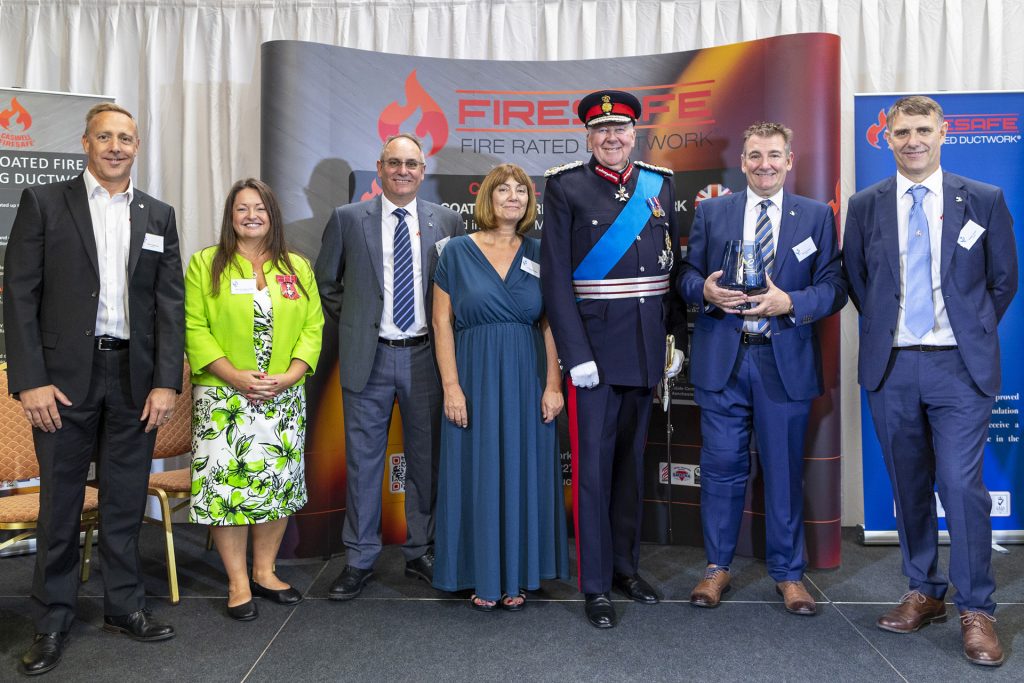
{"x":428,"y":237}
{"x":954,"y":206}
{"x":138,"y":215}
{"x":788,"y":220}
{"x":888,"y":226}
{"x":78,"y":206}
{"x":734,"y":217}
{"x":374,"y":240}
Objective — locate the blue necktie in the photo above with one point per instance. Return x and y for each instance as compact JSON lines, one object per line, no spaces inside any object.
{"x":766,"y":245}
{"x":919,"y":306}
{"x":403,"y":311}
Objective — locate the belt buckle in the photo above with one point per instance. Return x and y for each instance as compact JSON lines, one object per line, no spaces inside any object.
{"x":101,"y":344}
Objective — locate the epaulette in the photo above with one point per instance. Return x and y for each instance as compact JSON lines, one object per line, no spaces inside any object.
{"x":651,"y":167}
{"x":561,"y":169}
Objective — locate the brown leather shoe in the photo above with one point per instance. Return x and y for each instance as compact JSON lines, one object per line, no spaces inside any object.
{"x":981,"y":644}
{"x":914,"y":611}
{"x":708,"y":592}
{"x":796,"y":597}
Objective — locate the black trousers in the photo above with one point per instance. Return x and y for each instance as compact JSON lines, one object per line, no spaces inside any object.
{"x":106,"y":424}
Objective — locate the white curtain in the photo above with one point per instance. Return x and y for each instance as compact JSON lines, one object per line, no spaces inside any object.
{"x":190,"y":69}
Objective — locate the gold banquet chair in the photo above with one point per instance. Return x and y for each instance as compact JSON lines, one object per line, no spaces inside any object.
{"x":19,"y":511}
{"x":173,"y":439}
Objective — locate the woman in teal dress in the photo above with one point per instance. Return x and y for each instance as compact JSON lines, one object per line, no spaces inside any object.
{"x":500,"y":512}
{"x":252,"y":332}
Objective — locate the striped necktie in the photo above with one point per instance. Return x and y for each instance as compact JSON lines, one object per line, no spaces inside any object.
{"x":403,"y":311}
{"x":766,"y":245}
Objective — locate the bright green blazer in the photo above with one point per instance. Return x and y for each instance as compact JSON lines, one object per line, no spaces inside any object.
{"x":222,"y":325}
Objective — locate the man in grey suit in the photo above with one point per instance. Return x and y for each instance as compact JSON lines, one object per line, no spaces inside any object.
{"x":374,"y":272}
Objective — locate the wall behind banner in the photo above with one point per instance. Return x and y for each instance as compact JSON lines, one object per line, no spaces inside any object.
{"x":983,"y":143}
{"x":326,"y":110}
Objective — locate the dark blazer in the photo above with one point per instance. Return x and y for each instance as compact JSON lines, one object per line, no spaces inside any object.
{"x":350,"y":275}
{"x":977,"y":283}
{"x":51,"y":294}
{"x":815,"y":284}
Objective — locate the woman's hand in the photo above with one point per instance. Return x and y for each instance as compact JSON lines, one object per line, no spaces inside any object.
{"x":253,"y":384}
{"x":551,"y":404}
{"x":455,"y":406}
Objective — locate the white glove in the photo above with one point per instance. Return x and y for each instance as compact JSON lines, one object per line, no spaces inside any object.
{"x":584,"y":375}
{"x":677,"y":364}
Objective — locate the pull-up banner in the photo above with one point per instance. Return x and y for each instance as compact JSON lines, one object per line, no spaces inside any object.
{"x":327,"y":109}
{"x":983,"y":143}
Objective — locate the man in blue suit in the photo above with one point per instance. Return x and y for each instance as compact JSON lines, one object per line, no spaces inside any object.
{"x":759,"y":366}
{"x":932,"y":266}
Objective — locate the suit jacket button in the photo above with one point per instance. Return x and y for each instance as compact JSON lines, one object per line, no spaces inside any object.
{"x":376,"y":325}
{"x":641,"y":299}
{"x":93,"y":295}
{"x":88,"y":332}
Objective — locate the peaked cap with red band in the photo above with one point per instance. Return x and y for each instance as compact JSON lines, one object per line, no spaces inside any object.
{"x":608,"y":106}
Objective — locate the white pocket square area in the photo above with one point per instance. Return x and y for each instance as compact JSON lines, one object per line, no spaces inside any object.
{"x":969,"y":234}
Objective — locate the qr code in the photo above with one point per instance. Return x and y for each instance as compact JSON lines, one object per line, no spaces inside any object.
{"x":396,"y":473}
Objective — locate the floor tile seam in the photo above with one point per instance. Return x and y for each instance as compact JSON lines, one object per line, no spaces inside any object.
{"x":867,"y":640}
{"x":269,"y":644}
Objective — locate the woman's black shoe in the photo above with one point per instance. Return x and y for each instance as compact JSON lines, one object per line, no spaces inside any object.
{"x":286,"y":596}
{"x":244,"y":612}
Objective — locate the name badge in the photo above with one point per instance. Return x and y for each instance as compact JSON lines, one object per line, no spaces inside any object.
{"x":243,"y":286}
{"x":531,"y":267}
{"x":969,"y":234}
{"x":153,"y":242}
{"x":805,"y":249}
{"x":440,"y":245}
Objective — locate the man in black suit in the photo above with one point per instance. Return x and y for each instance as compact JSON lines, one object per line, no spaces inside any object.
{"x":94,"y":318}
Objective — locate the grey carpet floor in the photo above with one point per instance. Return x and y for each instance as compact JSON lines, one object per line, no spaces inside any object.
{"x":402,"y":629}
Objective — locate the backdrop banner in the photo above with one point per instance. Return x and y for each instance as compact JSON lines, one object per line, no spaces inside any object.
{"x":326,"y":110}
{"x":983,"y":143}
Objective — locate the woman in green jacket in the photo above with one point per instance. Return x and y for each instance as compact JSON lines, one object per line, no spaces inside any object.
{"x":253,"y":324}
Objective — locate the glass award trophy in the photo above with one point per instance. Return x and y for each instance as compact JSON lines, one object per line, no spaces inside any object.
{"x":743,"y":269}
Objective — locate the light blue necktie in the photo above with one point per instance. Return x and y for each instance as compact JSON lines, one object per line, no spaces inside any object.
{"x":403,"y":296}
{"x":919,"y":306}
{"x":766,"y":245}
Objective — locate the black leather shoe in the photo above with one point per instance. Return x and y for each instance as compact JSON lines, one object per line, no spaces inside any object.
{"x":44,"y":654}
{"x":349,"y":583}
{"x":421,"y":568}
{"x":285,"y":596}
{"x":600,"y":611}
{"x":138,"y":625}
{"x":635,"y":588}
{"x":245,"y":612}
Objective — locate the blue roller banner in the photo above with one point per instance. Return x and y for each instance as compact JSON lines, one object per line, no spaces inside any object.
{"x":984,"y":143}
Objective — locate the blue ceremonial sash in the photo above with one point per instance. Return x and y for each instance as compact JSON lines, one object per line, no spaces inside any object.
{"x":622,"y":232}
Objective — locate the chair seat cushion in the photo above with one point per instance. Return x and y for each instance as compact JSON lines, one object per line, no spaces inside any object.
{"x":172,"y":481}
{"x":24,"y":508}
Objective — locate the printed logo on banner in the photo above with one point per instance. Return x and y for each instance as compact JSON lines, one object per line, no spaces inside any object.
{"x":964,"y":129}
{"x":682,"y":475}
{"x":432,"y":123}
{"x":396,"y":472}
{"x":14,"y":121}
{"x":1000,"y":504}
{"x":710,"y":192}
{"x":875,"y":130}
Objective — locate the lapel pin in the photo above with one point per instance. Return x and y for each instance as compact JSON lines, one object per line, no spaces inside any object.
{"x":959,"y":198}
{"x":792,"y":212}
{"x":141,"y":205}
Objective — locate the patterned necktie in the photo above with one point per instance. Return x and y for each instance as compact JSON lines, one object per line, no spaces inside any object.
{"x":919,"y":306}
{"x":403,"y":311}
{"x":766,"y":245}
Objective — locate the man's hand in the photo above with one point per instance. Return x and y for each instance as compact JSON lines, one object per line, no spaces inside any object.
{"x":40,"y":406}
{"x":676,"y":365}
{"x":159,"y":407}
{"x":726,"y":299}
{"x":584,"y":375}
{"x":771,"y":303}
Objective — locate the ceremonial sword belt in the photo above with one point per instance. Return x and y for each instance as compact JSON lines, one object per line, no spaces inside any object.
{"x":621,"y":288}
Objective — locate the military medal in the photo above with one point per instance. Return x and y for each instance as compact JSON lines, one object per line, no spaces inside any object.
{"x":656,"y":209}
{"x":287,"y":283}
{"x":622,"y":195}
{"x":666,"y":259}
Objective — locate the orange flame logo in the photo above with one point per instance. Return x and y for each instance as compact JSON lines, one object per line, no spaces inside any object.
{"x":432,"y":123}
{"x":875,"y":130}
{"x":834,"y":203}
{"x":16,"y":113}
{"x":375,"y":190}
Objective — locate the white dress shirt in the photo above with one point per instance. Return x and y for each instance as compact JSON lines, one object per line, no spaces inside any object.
{"x":389,"y":222}
{"x":111,"y":227}
{"x":941,"y":334}
{"x":751,"y":213}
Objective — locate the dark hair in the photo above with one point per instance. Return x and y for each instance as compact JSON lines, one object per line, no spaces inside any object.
{"x":483,"y":213}
{"x":915,"y":105}
{"x":273,"y":242}
{"x":768,"y":129}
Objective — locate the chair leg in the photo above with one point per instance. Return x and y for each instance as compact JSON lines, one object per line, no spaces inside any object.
{"x":90,"y":527}
{"x":172,"y":569}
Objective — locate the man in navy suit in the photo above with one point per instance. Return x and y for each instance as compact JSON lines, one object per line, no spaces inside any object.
{"x":932,"y":266}
{"x":759,"y":367}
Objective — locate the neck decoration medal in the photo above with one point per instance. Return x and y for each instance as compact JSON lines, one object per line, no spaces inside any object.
{"x":287,"y":283}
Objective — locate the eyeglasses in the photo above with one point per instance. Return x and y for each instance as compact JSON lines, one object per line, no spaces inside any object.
{"x":411,"y":164}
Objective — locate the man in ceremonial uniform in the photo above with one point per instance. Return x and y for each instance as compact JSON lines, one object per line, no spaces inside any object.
{"x":760,"y":363}
{"x":932,"y":265}
{"x":608,"y":253}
